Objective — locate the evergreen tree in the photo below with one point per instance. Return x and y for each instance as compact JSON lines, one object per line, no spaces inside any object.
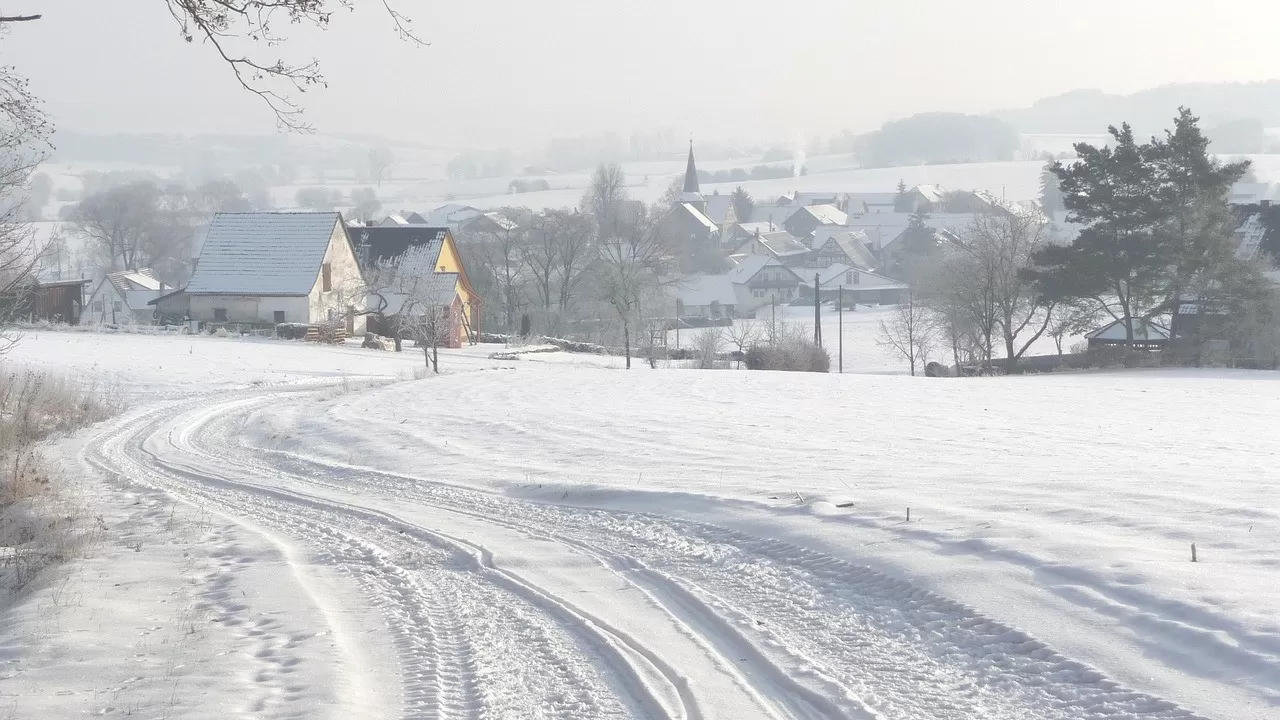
{"x":1050,"y":192}
{"x":1157,"y":224}
{"x":900,"y":203}
{"x":743,"y":204}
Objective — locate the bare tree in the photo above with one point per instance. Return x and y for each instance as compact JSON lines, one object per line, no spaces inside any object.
{"x":223,"y":24}
{"x":24,"y":133}
{"x":708,"y":347}
{"x":909,"y":332}
{"x":1000,"y":246}
{"x":742,"y":334}
{"x":500,"y":250}
{"x":118,"y":221}
{"x":573,"y":258}
{"x":1070,"y":318}
{"x":630,"y":267}
{"x":366,"y":204}
{"x":380,"y":160}
{"x":605,"y":200}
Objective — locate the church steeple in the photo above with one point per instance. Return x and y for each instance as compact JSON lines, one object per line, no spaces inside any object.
{"x":691,"y":193}
{"x":691,"y":173}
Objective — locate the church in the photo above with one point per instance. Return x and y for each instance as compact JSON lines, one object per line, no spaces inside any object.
{"x":691,"y":218}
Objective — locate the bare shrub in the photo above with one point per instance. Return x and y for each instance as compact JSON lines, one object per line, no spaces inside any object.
{"x":708,"y":349}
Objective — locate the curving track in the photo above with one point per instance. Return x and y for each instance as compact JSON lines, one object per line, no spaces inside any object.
{"x":501,"y":608}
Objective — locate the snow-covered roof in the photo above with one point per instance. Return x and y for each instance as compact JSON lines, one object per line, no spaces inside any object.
{"x":932,"y":193}
{"x":126,"y":280}
{"x":422,"y":292}
{"x":840,"y":274}
{"x":262,"y":253}
{"x":392,"y":220}
{"x":1249,"y":237}
{"x":698,"y":290}
{"x":717,"y":207}
{"x":751,"y":265}
{"x":851,"y":241}
{"x":698,"y":215}
{"x":1143,"y":330}
{"x":776,"y":214}
{"x":780,"y":243}
{"x":452,"y":214}
{"x":826,"y":214}
{"x":1251,"y":193}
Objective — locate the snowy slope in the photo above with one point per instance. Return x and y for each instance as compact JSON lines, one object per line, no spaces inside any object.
{"x":532,"y":538}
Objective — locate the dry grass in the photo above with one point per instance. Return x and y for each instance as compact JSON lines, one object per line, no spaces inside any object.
{"x":40,"y":523}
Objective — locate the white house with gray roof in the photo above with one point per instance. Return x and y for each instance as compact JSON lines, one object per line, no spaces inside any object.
{"x":264,"y":268}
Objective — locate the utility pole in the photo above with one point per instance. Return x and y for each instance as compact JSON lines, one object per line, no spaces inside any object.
{"x":817,"y":312}
{"x":677,"y":325}
{"x":840,"y":314}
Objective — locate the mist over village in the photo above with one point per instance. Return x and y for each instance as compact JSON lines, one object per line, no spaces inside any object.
{"x":493,"y":360}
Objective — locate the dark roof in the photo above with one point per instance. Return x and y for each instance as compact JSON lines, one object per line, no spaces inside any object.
{"x":59,"y":283}
{"x":391,"y":241}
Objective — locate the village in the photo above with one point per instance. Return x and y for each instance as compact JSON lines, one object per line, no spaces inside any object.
{"x":459,"y":275}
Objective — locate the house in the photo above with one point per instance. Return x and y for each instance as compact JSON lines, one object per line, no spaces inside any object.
{"x":776,"y":215}
{"x":123,"y":298}
{"x":451,"y":215}
{"x":759,"y":280}
{"x":707,"y":296}
{"x":863,"y":203}
{"x":720,"y":210}
{"x":859,"y":286}
{"x":414,"y":251}
{"x":269,"y":268}
{"x":779,"y":244}
{"x":804,"y":221}
{"x":841,"y":245}
{"x":1147,"y":335}
{"x":413,"y":295}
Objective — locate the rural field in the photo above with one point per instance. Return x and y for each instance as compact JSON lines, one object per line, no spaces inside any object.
{"x":299,"y":531}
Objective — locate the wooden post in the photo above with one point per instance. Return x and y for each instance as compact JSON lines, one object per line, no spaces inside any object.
{"x":1193,"y":552}
{"x":817,"y":313}
{"x":840,"y":314}
{"x":908,"y":514}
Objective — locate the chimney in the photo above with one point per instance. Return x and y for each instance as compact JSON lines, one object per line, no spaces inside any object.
{"x":368,"y":223}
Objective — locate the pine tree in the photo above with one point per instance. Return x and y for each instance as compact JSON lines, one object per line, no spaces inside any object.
{"x":1050,"y":192}
{"x":743,"y":204}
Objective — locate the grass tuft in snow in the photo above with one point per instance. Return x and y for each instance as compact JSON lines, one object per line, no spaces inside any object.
{"x":40,"y":522}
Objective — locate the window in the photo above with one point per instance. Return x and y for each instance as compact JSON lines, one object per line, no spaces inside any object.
{"x":848,"y":278}
{"x":219,"y":314}
{"x":117,"y":306}
{"x":326,"y":277}
{"x":278,"y":316}
{"x":97,"y":306}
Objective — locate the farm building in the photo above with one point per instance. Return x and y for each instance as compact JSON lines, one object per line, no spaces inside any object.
{"x":123,"y":298}
{"x":860,"y":286}
{"x":271,"y":268}
{"x":1147,"y":335}
{"x":56,"y":301}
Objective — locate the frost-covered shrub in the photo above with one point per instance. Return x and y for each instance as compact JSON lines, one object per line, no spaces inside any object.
{"x":793,"y":355}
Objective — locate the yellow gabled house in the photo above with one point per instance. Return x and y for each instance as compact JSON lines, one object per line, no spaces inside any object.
{"x":428,"y":249}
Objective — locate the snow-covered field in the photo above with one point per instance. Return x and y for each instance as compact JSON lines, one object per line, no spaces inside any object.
{"x":538,"y":538}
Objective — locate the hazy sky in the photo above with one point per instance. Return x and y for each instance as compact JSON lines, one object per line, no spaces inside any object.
{"x":516,"y":72}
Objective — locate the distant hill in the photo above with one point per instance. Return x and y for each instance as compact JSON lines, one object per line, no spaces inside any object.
{"x":1149,"y":111}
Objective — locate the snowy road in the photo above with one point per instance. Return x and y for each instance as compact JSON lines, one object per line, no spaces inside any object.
{"x":439,"y":601}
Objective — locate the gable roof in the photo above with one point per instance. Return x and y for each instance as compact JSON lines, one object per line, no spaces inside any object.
{"x":700,"y":290}
{"x":393,"y":220}
{"x":698,"y":216}
{"x":932,"y":193}
{"x":385,"y":243}
{"x":451,"y":213}
{"x":751,"y":265}
{"x":262,"y":253}
{"x":127,"y":280}
{"x":776,"y":214}
{"x":836,"y":275}
{"x":717,"y":208}
{"x":850,"y":241}
{"x":825,"y":214}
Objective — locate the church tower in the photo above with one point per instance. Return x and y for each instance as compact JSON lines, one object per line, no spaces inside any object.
{"x":691,"y":194}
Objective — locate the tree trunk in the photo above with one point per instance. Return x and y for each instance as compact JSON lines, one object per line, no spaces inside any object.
{"x":626,"y":341}
{"x":435,"y":359}
{"x":1010,"y":359}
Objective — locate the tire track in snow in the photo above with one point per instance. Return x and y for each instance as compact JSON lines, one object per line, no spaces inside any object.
{"x":431,"y":633}
{"x":907,"y":652}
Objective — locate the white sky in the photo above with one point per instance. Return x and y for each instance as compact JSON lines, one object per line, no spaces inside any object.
{"x":517,"y":72}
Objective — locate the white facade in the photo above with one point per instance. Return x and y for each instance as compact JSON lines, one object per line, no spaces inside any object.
{"x":107,"y":306}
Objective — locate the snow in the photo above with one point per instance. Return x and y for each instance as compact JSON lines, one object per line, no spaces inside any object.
{"x":318,"y":535}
